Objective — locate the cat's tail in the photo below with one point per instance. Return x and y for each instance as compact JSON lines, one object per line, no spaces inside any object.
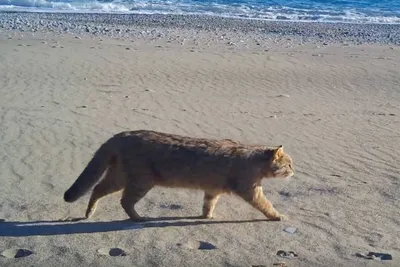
{"x":90,"y":175}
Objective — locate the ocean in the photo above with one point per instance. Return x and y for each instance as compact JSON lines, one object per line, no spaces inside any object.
{"x":348,"y":11}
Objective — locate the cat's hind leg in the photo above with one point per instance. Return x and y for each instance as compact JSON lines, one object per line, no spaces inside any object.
{"x":111,"y":183}
{"x":134,"y":191}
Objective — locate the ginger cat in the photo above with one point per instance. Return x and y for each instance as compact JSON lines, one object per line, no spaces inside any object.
{"x":136,"y":161}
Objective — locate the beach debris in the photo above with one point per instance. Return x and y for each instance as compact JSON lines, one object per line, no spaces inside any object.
{"x":375,"y":256}
{"x":336,"y":175}
{"x":113,"y":252}
{"x":286,"y":254}
{"x":16,"y":253}
{"x":280,"y":264}
{"x":82,"y":106}
{"x":290,"y":230}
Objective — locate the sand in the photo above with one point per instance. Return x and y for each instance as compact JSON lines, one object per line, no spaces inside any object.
{"x":335,"y":108}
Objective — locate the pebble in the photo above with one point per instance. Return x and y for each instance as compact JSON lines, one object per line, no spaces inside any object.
{"x":16,"y":253}
{"x":200,"y":245}
{"x":113,"y":252}
{"x":290,"y":230}
{"x":232,"y":29}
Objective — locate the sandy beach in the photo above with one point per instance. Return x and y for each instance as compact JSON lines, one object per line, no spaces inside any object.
{"x":333,"y":103}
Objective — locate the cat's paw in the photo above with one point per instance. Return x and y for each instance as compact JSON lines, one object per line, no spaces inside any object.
{"x":139,"y":219}
{"x":283,"y":217}
{"x":280,"y":217}
{"x":207,"y":216}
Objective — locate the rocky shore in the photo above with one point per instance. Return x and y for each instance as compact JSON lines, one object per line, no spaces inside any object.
{"x":194,"y":26}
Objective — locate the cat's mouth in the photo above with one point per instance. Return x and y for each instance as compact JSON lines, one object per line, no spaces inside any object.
{"x":283,"y":175}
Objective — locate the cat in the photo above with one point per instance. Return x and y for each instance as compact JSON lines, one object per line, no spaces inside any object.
{"x":136,"y":161}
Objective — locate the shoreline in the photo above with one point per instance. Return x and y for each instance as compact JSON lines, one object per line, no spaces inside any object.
{"x":189,"y":26}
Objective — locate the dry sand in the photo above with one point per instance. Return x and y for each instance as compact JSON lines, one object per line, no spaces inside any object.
{"x":336,"y":110}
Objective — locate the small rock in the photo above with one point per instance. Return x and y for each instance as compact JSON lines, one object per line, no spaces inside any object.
{"x":200,"y":245}
{"x":16,"y":253}
{"x":286,"y":254}
{"x":77,"y":37}
{"x":283,"y":95}
{"x":290,"y":230}
{"x":375,"y":256}
{"x":127,"y":48}
{"x":127,"y":96}
{"x":113,"y":252}
{"x":206,"y":246}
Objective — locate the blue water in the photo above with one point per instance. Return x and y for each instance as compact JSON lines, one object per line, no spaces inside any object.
{"x":351,"y":11}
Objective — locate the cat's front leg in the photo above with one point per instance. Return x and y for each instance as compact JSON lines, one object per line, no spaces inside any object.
{"x":256,"y":198}
{"x":210,"y":199}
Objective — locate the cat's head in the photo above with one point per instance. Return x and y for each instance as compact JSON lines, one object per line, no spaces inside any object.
{"x":281,"y":164}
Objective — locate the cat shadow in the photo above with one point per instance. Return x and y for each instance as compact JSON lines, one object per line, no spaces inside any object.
{"x":79,"y":226}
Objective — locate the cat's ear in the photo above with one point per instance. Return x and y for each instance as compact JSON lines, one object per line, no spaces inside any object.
{"x":278,"y":152}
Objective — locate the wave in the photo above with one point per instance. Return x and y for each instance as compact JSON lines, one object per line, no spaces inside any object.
{"x":241,"y":9}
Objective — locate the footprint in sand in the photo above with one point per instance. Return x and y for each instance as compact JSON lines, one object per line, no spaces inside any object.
{"x":113,"y":252}
{"x":13,"y":253}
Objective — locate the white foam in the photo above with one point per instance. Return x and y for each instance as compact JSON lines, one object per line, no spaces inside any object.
{"x":48,"y":6}
{"x":250,"y":11}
